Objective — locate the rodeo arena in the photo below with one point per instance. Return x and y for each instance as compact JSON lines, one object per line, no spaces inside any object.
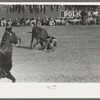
{"x":49,"y":43}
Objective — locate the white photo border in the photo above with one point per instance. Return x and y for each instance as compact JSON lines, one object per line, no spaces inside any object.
{"x":41,"y":90}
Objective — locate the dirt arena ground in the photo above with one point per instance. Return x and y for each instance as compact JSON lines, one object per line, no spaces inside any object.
{"x":76,"y":58}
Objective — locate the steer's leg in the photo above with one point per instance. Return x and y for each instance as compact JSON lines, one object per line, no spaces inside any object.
{"x":42,"y":45}
{"x":9,"y":76}
{"x":31,"y":46}
{"x":36,"y":42}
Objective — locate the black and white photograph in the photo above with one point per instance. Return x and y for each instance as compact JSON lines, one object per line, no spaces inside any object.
{"x":53,"y":44}
{"x":49,"y":43}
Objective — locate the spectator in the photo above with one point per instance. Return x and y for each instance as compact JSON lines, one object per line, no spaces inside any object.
{"x":71,"y":21}
{"x":89,"y":13}
{"x":57,"y":21}
{"x":94,"y":20}
{"x":95,"y":16}
{"x":79,"y":20}
{"x":8,"y":25}
{"x":66,"y":21}
{"x":83,"y":16}
{"x":3,"y":22}
{"x":89,"y":20}
{"x":38,"y":21}
{"x":9,"y":22}
{"x":63,"y":22}
{"x":51,"y":21}
{"x":16,"y":22}
{"x":45,"y":21}
{"x":33,"y":22}
{"x":22,"y":21}
{"x":27,"y":22}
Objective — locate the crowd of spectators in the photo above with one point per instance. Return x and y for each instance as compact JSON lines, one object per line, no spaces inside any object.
{"x":86,"y":18}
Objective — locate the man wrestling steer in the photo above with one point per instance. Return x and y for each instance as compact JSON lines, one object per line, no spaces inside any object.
{"x":42,"y":37}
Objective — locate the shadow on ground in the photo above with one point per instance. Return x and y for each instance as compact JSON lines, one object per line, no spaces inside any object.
{"x":23,"y":47}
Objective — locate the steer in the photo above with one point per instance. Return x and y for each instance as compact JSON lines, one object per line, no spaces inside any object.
{"x":41,"y":36}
